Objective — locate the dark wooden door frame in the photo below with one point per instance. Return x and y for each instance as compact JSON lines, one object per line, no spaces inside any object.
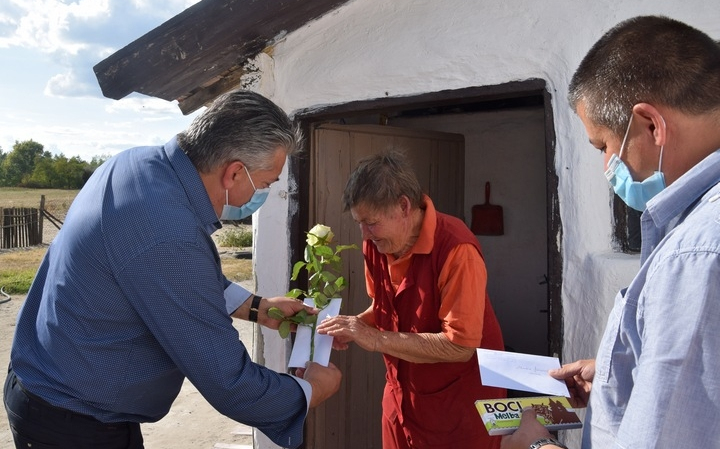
{"x":471,"y":99}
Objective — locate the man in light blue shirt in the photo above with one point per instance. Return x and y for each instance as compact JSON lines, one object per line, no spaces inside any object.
{"x":648,"y":93}
{"x":130,"y":298}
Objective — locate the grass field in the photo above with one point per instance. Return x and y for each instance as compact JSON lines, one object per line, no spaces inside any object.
{"x":18,"y":266}
{"x":57,"y":201}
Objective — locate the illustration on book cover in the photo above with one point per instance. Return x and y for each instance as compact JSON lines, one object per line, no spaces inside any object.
{"x":502,"y":416}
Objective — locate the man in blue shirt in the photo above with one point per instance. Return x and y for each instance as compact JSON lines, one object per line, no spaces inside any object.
{"x":130,"y":298}
{"x":648,"y":93}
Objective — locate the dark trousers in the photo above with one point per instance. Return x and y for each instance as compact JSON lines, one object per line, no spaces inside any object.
{"x":38,"y":425}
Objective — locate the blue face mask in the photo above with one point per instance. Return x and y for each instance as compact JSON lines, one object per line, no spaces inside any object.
{"x":238,"y":213}
{"x":634,"y":194}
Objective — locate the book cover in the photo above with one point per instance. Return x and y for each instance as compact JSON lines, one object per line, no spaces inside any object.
{"x":502,"y":416}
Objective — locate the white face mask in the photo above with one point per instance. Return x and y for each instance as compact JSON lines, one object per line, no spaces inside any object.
{"x":238,"y":213}
{"x":634,"y":194}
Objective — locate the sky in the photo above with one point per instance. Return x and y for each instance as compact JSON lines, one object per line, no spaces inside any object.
{"x":48,"y":90}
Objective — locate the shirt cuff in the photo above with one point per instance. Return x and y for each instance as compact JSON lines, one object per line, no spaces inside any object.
{"x":307,"y":389}
{"x":235,"y":296}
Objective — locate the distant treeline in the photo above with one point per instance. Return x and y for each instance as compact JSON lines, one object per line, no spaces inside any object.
{"x":29,"y":165}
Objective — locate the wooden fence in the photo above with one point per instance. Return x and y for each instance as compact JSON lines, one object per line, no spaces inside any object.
{"x":20,"y":227}
{"x":23,"y":226}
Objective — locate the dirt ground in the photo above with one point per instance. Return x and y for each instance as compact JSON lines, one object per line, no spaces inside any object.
{"x":191,"y":424}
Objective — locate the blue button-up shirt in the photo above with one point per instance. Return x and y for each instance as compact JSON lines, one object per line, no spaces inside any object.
{"x":130,"y":299}
{"x":657,"y":381}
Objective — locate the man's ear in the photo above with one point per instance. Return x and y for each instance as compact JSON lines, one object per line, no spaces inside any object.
{"x":653,"y":121}
{"x":228,"y":175}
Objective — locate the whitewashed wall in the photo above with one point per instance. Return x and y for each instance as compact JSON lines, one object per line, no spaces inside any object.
{"x":375,"y":48}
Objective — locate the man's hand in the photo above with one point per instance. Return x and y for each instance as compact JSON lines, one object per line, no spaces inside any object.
{"x":325,"y":381}
{"x":288,"y":307}
{"x":530,"y":430}
{"x":578,"y":376}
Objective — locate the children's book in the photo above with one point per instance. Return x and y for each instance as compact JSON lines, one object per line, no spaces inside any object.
{"x":502,"y":416}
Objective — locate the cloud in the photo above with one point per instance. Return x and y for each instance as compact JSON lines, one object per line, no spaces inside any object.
{"x":69,"y":84}
{"x":50,"y":94}
{"x":78,"y":34}
{"x":68,"y":26}
{"x":147,"y":106}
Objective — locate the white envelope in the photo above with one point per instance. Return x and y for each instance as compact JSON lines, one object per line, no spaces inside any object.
{"x":323,"y":343}
{"x":525,"y":372}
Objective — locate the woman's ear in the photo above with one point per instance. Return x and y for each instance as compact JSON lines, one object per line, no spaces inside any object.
{"x":404,"y":205}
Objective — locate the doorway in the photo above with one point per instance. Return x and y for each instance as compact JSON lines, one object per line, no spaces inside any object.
{"x":508,"y":140}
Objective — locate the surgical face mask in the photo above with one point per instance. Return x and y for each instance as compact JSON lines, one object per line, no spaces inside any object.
{"x":634,"y":194}
{"x":238,"y":213}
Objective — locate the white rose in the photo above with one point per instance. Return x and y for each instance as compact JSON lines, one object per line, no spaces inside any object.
{"x":319,"y":233}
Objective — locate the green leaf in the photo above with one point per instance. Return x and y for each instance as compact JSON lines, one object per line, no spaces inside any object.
{"x":299,"y":317}
{"x":295,"y":293}
{"x":340,"y":248}
{"x":323,"y":251}
{"x":328,"y":276}
{"x":340,"y":283}
{"x":296,"y":269}
{"x":320,"y":300}
{"x":275,"y":313}
{"x":330,"y":290}
{"x":284,"y":329}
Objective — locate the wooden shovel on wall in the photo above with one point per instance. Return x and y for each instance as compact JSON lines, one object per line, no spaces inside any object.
{"x":487,"y":219}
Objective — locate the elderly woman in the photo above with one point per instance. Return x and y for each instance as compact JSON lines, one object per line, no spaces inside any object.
{"x":426,"y":276}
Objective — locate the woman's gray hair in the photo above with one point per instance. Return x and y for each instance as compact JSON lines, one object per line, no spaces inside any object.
{"x":647,"y":59}
{"x":380,"y":180}
{"x":240,"y":126}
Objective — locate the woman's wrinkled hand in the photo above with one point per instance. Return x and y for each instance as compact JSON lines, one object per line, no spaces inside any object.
{"x":345,"y":329}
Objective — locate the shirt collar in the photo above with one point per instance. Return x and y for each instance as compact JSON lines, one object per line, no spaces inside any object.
{"x":192,"y":184}
{"x":682,"y":193}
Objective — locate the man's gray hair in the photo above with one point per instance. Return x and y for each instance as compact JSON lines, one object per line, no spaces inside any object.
{"x":647,"y":59}
{"x":240,"y":126}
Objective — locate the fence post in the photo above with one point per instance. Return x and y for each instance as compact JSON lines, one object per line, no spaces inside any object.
{"x":7,"y":229}
{"x":41,"y":216}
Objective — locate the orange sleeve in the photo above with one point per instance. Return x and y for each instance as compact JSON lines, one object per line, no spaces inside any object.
{"x":462,"y":284}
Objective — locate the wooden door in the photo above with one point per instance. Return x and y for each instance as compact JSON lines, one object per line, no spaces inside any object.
{"x":351,"y":419}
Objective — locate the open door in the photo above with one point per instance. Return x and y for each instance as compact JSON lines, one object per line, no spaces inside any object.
{"x":351,"y":419}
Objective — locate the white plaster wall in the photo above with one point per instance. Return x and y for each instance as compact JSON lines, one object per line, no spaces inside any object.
{"x":374,"y":48}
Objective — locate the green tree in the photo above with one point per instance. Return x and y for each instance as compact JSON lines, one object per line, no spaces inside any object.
{"x":19,"y":164}
{"x":69,"y":173}
{"x":3,"y":155}
{"x":43,"y":174}
{"x":28,"y":165}
{"x":97,"y":161}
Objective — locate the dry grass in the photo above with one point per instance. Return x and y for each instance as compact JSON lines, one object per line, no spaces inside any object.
{"x":57,"y":201}
{"x":237,"y":270}
{"x":18,"y":266}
